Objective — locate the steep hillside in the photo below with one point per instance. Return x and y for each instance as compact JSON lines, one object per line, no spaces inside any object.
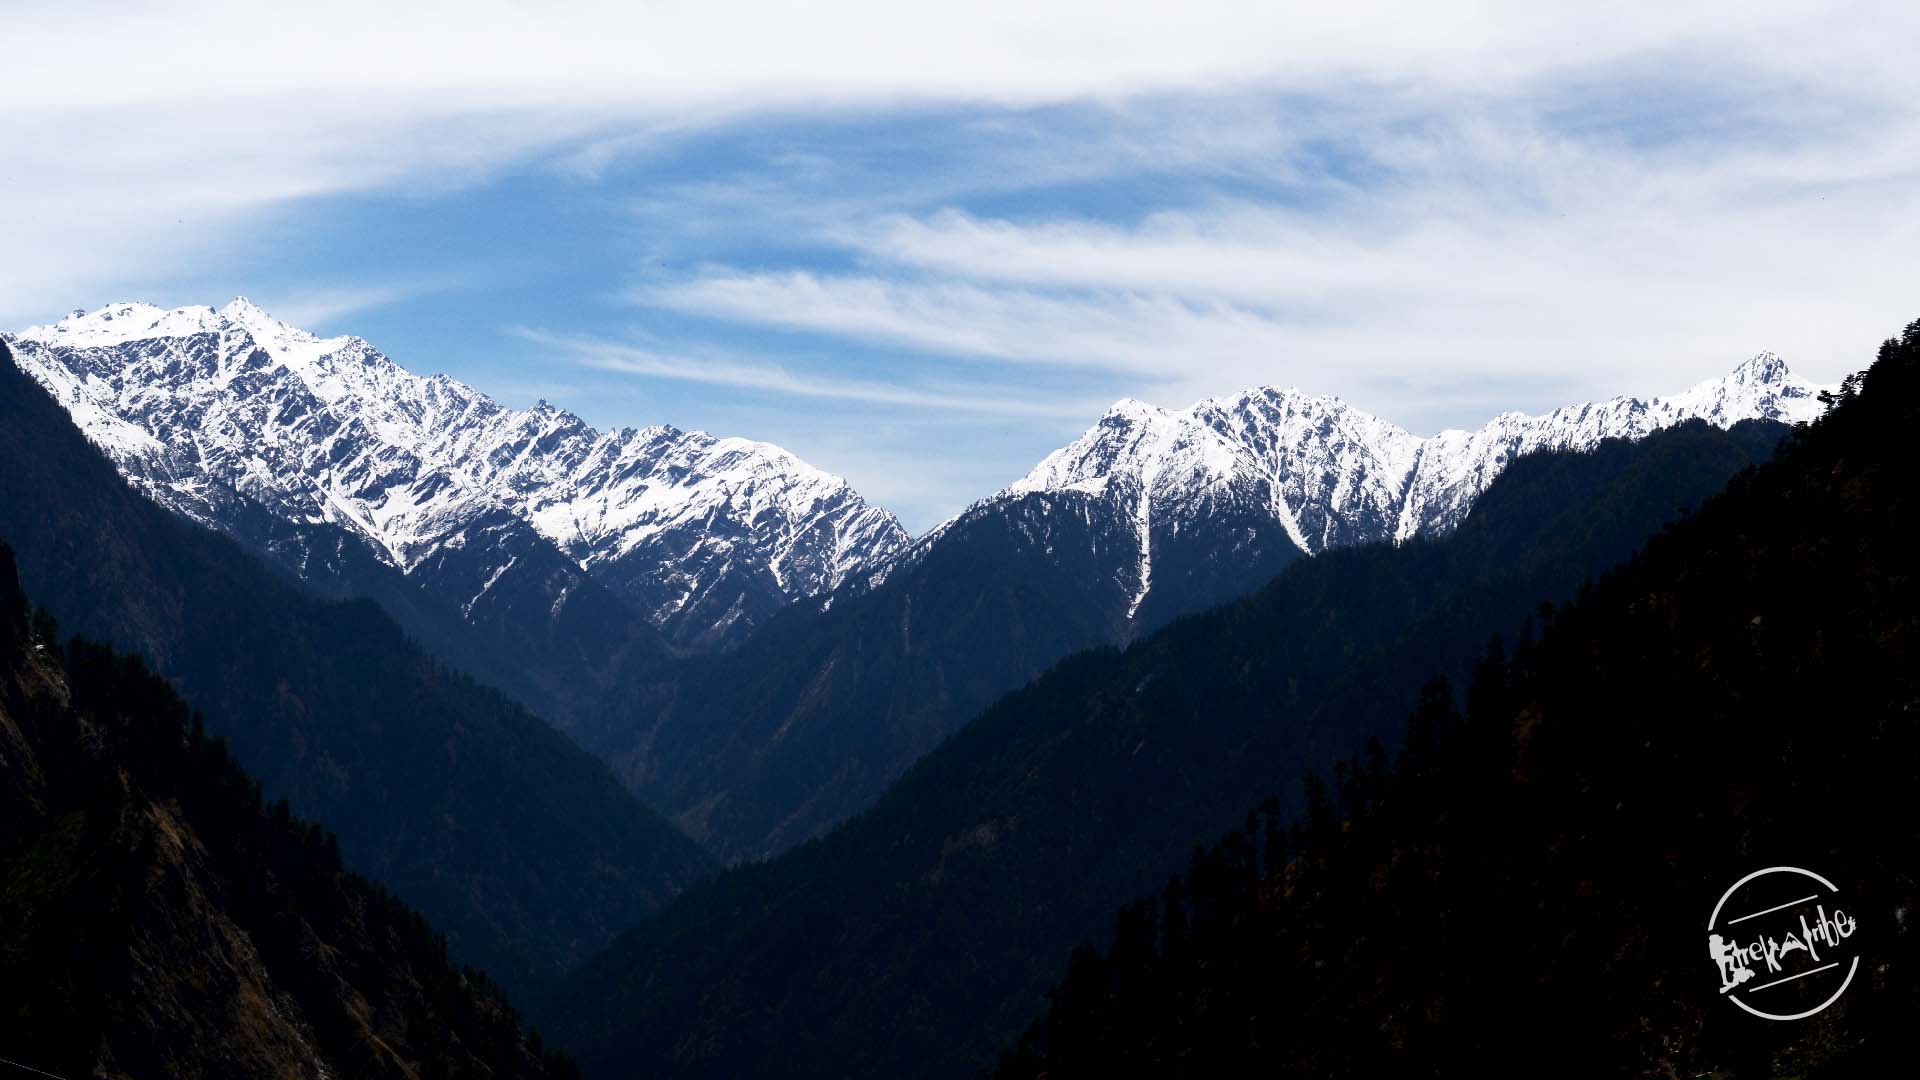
{"x":518,"y":844}
{"x":157,"y":920}
{"x":574,"y":570}
{"x":919,"y":937}
{"x":804,"y":725}
{"x":1533,"y":881}
{"x":1152,"y":514}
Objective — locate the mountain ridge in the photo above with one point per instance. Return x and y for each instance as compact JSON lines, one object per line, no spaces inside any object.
{"x":807,"y":703}
{"x":1328,"y":473}
{"x":701,"y":535}
{"x":524,"y":849}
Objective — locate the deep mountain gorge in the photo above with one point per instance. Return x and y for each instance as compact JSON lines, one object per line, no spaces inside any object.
{"x":918,"y":938}
{"x":1150,"y":515}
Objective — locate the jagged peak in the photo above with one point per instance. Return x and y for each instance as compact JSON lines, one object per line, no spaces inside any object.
{"x":122,"y":320}
{"x":1762,"y":367}
{"x":243,"y":306}
{"x":1268,"y":392}
{"x":256,"y":319}
{"x":1762,"y":385}
{"x":1134,"y":409}
{"x":136,"y":320}
{"x":596,"y":496}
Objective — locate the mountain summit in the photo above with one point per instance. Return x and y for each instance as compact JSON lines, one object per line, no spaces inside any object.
{"x":1270,"y":473}
{"x":703,"y":536}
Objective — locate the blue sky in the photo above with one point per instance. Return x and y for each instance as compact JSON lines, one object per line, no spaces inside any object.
{"x":924,"y":252}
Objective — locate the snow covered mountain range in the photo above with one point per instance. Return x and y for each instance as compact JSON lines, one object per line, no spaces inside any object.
{"x":220,"y":414}
{"x":1151,"y":515}
{"x":703,"y":536}
{"x":1253,"y":479}
{"x":567,"y":566}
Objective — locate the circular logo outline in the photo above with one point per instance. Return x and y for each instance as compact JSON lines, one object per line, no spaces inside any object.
{"x":1832,"y":888}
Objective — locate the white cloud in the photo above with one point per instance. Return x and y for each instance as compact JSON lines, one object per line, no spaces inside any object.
{"x":320,"y":307}
{"x":93,"y":201}
{"x":144,"y":137}
{"x":1489,"y":248}
{"x":1131,"y":331}
{"x":773,"y":379}
{"x":492,"y":54}
{"x":1503,"y":245}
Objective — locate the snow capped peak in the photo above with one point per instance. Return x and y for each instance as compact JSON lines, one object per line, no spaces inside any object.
{"x":193,"y":401}
{"x":1763,"y":367}
{"x":241,"y":308}
{"x":1229,"y":431}
{"x":1276,"y":394}
{"x":1195,"y":447}
{"x":1329,"y":474}
{"x":122,"y":323}
{"x":126,"y":321}
{"x":195,"y":404}
{"x":246,"y":314}
{"x":1760,"y":388}
{"x":1133,"y":410}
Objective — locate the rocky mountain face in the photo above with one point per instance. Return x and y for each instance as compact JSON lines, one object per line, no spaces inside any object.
{"x":546,"y":531}
{"x":513,"y":516}
{"x":1208,"y":501}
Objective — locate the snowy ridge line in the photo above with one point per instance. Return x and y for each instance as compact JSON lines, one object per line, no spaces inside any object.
{"x":1329,"y":474}
{"x":195,"y":400}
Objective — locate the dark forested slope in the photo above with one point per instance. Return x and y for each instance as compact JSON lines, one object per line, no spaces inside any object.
{"x":759,"y":749}
{"x":918,"y":938}
{"x":157,"y":920}
{"x":1527,"y":889}
{"x":517,"y":843}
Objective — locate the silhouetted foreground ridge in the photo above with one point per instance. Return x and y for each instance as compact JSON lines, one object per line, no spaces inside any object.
{"x":1525,"y":888}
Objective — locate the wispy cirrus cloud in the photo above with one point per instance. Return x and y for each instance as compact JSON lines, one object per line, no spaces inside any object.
{"x":841,"y":219}
{"x":1493,"y":249}
{"x":763,"y":378}
{"x":144,"y":139}
{"x":321,"y":306}
{"x":1133,"y":331}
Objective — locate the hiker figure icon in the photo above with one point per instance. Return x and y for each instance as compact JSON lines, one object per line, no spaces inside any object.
{"x":1732,"y":972}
